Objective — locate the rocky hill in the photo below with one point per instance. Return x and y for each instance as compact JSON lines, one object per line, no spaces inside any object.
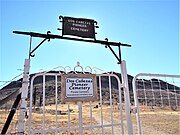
{"x":50,"y":84}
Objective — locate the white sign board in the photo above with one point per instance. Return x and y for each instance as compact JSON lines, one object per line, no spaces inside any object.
{"x":79,"y":87}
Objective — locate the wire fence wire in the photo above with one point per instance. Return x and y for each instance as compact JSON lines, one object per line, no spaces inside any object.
{"x":4,"y":83}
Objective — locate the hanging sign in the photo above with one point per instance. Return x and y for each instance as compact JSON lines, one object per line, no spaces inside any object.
{"x":78,"y":27}
{"x":78,"y":87}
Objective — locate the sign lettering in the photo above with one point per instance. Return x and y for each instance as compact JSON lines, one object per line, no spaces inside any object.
{"x":78,"y":27}
{"x":79,"y":87}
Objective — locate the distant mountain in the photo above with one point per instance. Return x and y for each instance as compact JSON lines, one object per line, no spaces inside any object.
{"x":141,"y":86}
{"x":18,"y":83}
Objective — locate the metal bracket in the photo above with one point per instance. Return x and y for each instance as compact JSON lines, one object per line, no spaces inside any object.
{"x":31,"y":52}
{"x":60,"y":20}
{"x":118,"y":58}
{"x":96,"y":26}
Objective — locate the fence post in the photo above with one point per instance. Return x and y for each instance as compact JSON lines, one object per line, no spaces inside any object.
{"x":24,"y":94}
{"x":80,"y":117}
{"x":126,"y":97}
{"x":136,"y":104}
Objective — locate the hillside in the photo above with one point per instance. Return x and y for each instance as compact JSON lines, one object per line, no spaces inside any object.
{"x":141,"y":86}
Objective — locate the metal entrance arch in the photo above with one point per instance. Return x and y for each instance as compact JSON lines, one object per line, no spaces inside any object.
{"x":24,"y":97}
{"x":47,"y":115}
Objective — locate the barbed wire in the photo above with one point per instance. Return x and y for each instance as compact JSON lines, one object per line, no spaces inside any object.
{"x":10,"y":80}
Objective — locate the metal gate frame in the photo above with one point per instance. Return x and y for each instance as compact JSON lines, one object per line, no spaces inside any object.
{"x":136,"y":104}
{"x":81,"y":127}
{"x":24,"y":96}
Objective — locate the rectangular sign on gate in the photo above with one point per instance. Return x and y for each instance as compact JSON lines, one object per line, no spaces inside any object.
{"x":80,"y":27}
{"x":78,"y":87}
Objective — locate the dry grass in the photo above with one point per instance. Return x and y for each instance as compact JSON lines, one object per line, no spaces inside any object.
{"x":153,"y":121}
{"x":160,"y":121}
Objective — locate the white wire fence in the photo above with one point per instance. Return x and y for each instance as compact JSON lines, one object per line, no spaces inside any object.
{"x":158,"y":99}
{"x":158,"y":90}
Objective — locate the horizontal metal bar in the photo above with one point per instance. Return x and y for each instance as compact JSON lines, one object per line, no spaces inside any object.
{"x":155,"y":75}
{"x":37,"y":46}
{"x":73,"y":128}
{"x":52,"y":36}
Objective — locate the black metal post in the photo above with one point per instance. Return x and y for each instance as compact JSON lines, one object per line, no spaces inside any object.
{"x":119,"y":48}
{"x":11,"y":114}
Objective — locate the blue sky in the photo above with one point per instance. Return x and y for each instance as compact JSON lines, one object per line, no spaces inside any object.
{"x":151,"y":27}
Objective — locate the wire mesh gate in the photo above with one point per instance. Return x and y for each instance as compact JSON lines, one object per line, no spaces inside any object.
{"x":47,"y":115}
{"x":158,"y":96}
